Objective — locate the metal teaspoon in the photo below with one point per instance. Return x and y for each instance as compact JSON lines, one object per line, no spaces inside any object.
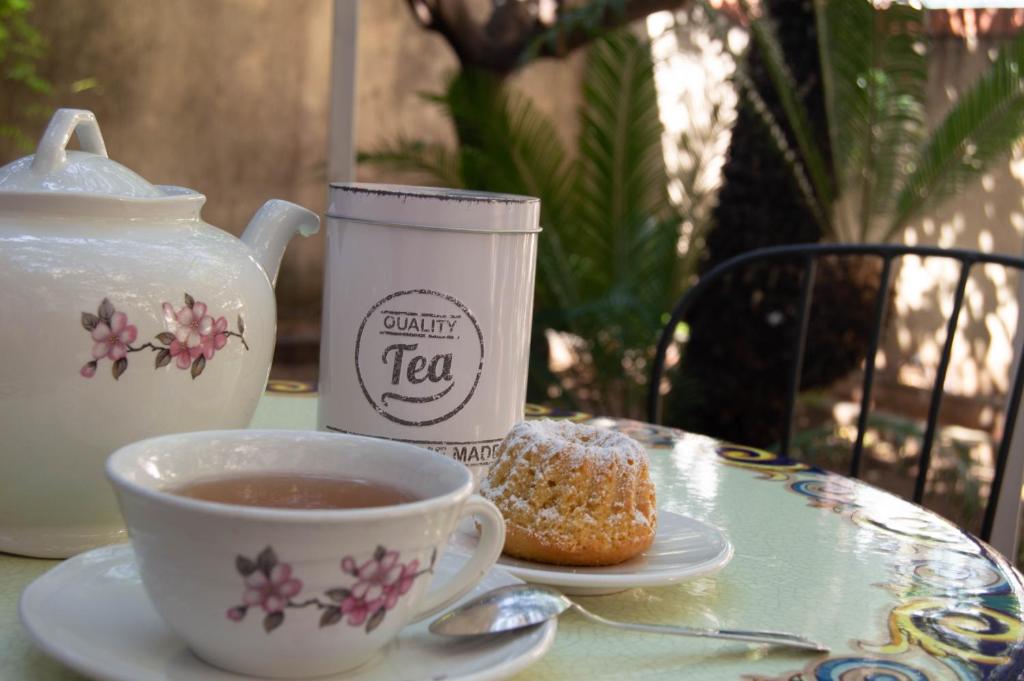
{"x":516,"y":606}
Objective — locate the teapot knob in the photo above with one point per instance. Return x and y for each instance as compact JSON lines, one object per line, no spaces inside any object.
{"x":51,"y":152}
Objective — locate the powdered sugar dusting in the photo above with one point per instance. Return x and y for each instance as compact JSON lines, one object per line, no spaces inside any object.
{"x":578,"y":441}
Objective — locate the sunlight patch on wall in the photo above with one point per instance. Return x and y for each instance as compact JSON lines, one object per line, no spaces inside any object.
{"x":696,"y":104}
{"x":982,"y":355}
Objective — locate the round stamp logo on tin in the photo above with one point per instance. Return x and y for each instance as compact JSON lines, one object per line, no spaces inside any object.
{"x":419,"y":355}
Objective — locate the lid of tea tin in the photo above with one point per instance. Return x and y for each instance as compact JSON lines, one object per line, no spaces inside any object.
{"x":434,"y":208}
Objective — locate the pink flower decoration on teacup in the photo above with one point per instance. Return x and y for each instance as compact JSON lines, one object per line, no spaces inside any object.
{"x":268,"y":584}
{"x":358,"y":609}
{"x":113,"y":339}
{"x":380,"y":582}
{"x":271,"y":590}
{"x":370,"y":592}
{"x":401,"y":584}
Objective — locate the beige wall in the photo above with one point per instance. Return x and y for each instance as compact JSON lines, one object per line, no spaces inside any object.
{"x":231,"y":98}
{"x":988,"y":215}
{"x":225,"y":97}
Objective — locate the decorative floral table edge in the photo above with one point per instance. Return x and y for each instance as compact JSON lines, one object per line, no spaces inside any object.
{"x":975,"y":632}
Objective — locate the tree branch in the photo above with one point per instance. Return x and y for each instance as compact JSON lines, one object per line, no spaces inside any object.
{"x":515,"y":30}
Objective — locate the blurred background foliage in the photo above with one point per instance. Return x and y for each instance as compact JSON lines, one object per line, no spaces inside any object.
{"x":887,"y":168}
{"x":22,"y":47}
{"x":609,"y":264}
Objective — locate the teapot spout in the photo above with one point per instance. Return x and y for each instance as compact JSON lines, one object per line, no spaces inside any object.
{"x":270,"y":230}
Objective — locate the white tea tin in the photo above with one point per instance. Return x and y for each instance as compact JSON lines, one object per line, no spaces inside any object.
{"x":428,"y":299}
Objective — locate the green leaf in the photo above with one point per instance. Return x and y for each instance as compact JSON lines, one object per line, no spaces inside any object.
{"x":789,"y":155}
{"x":330,"y":617}
{"x":163,"y":358}
{"x":189,"y":301}
{"x":375,"y":619}
{"x":983,"y":125}
{"x":197,"y":366}
{"x":165,"y":337}
{"x":84,"y":84}
{"x":626,"y":231}
{"x":89,"y":321}
{"x":338,"y":595}
{"x":245,"y":566}
{"x":105,"y":310}
{"x":266,"y":560}
{"x":119,"y":367}
{"x":273,"y":621}
{"x":764,"y":36}
{"x":876,"y":72}
{"x":508,"y":145}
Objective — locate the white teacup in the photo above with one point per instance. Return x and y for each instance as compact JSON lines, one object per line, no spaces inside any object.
{"x":292,"y":592}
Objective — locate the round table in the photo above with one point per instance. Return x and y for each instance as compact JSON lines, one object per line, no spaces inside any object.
{"x":898,"y":593}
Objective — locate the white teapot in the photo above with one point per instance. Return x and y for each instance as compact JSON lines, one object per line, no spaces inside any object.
{"x":122,"y":316}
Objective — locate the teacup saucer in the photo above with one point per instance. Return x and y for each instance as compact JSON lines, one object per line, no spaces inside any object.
{"x":683,"y":548}
{"x":91,"y":613}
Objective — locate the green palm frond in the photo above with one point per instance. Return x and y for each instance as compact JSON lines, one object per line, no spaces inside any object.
{"x":778,"y":137}
{"x":627,"y":231}
{"x":508,"y":145}
{"x":876,"y":71}
{"x":608,"y":260}
{"x":431,"y":161}
{"x":764,"y":36}
{"x":982,"y":126}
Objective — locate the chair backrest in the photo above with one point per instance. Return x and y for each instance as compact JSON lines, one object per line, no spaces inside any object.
{"x":809,"y":255}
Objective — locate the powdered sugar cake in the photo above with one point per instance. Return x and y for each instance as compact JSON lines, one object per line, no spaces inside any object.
{"x":572,"y":494}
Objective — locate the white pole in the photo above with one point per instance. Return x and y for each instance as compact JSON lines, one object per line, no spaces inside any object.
{"x":342,"y":124}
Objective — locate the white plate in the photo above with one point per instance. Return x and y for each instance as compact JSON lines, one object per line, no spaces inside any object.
{"x":91,"y":613}
{"x":683,"y":548}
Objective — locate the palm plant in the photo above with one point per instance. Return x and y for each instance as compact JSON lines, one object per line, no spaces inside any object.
{"x":887,"y":169}
{"x":830,"y":142}
{"x":608,"y":261}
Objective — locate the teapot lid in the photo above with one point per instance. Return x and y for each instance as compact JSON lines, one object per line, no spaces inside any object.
{"x":57,"y":171}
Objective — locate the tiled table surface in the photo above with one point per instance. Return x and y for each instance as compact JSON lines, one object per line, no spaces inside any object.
{"x":897,"y":592}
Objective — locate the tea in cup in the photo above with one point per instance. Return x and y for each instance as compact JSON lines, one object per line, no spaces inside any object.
{"x":293,"y":554}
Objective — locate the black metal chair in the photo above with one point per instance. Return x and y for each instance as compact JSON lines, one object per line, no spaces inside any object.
{"x":809,"y":255}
